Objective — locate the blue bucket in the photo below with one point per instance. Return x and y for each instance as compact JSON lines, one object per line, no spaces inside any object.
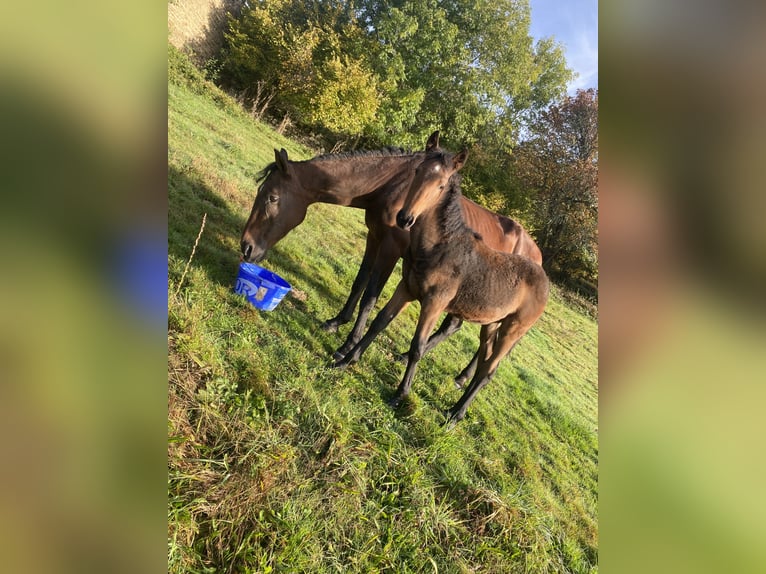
{"x":262,"y":288}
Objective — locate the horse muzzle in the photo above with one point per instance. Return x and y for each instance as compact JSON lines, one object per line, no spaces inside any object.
{"x":404,"y":220}
{"x":251,"y":253}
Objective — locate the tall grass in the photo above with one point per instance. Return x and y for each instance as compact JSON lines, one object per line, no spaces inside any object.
{"x":277,"y":463}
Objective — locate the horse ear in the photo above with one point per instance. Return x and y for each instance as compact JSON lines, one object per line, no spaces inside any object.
{"x":433,"y":141}
{"x":281,"y":160}
{"x":459,"y":159}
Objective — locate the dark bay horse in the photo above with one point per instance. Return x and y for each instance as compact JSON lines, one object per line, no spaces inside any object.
{"x":376,"y":182}
{"x":448,"y":268}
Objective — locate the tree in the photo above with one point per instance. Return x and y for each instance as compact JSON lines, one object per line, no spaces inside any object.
{"x":471,"y":63}
{"x":558,"y":163}
{"x":299,"y":56}
{"x":392,"y":71}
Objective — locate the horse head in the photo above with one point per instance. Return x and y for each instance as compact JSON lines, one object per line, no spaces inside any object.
{"x":279,"y":206}
{"x":428,"y":185}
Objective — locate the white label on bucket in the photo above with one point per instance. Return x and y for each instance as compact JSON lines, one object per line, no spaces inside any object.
{"x":245,"y":287}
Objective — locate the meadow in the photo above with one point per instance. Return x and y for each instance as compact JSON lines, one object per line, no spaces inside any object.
{"x":279,"y":463}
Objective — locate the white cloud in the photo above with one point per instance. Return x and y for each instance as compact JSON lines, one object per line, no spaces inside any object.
{"x":574,"y":24}
{"x":583,"y":58}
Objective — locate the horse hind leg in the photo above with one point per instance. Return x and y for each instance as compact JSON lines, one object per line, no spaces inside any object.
{"x":450,"y":325}
{"x":486,"y":340}
{"x":510,"y":332}
{"x":468,"y":372}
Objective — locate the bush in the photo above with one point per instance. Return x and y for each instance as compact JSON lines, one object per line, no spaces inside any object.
{"x":303,"y":65}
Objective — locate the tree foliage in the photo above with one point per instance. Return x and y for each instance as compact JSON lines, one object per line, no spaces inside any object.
{"x":558,"y":164}
{"x":391,"y":71}
{"x":299,"y":55}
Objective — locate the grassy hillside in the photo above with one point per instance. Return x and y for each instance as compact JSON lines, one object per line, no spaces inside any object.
{"x":277,"y":463}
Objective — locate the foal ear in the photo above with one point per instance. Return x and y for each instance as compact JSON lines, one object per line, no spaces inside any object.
{"x":433,"y":141}
{"x":458,"y":160}
{"x":281,"y":159}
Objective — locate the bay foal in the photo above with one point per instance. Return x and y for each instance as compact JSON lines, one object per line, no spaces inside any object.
{"x":447,"y":267}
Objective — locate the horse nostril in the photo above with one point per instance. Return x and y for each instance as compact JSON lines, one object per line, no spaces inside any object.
{"x":404,"y":221}
{"x":247,"y":248}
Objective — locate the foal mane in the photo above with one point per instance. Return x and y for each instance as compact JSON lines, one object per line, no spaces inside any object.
{"x":451,"y":210}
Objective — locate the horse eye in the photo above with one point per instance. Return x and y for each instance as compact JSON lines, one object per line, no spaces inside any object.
{"x":441,"y":187}
{"x":273,"y":198}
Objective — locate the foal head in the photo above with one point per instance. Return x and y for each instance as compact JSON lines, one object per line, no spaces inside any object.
{"x":279,"y":206}
{"x":427,"y":187}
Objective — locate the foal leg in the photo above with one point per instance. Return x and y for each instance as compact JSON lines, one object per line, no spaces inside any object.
{"x":468,"y":372}
{"x":429,"y":314}
{"x":449,"y":326}
{"x":509,"y":334}
{"x":400,"y":299}
{"x":488,"y":337}
{"x":360,"y":282}
{"x":383,"y":266}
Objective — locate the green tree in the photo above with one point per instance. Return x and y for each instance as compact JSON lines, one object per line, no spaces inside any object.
{"x":558,"y":164}
{"x":391,"y":71}
{"x":478,"y":70}
{"x":298,"y":56}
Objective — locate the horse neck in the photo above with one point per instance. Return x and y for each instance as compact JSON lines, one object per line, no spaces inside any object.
{"x":349,"y":180}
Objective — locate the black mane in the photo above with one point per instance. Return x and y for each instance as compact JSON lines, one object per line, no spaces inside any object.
{"x":389,"y":151}
{"x":450,"y":208}
{"x":384,"y":152}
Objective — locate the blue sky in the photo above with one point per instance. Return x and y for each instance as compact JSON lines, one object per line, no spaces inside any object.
{"x":574,"y":24}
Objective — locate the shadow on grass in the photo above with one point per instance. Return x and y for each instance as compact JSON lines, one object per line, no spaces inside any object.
{"x":188,"y":200}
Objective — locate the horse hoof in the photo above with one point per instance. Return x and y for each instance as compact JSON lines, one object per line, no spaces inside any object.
{"x":338,"y":356}
{"x":395,"y":402}
{"x":331,"y":325}
{"x":460,"y":381}
{"x":450,"y":421}
{"x":339,"y":365}
{"x":400,"y":357}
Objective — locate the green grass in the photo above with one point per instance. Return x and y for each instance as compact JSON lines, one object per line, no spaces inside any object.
{"x":277,"y":463}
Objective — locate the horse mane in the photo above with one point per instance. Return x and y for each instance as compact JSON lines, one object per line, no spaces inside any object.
{"x":389,"y":151}
{"x":383,"y":152}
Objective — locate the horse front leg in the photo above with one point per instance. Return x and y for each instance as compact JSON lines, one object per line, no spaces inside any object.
{"x":400,"y":299}
{"x":357,"y":288}
{"x":383,"y":267}
{"x":429,"y":314}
